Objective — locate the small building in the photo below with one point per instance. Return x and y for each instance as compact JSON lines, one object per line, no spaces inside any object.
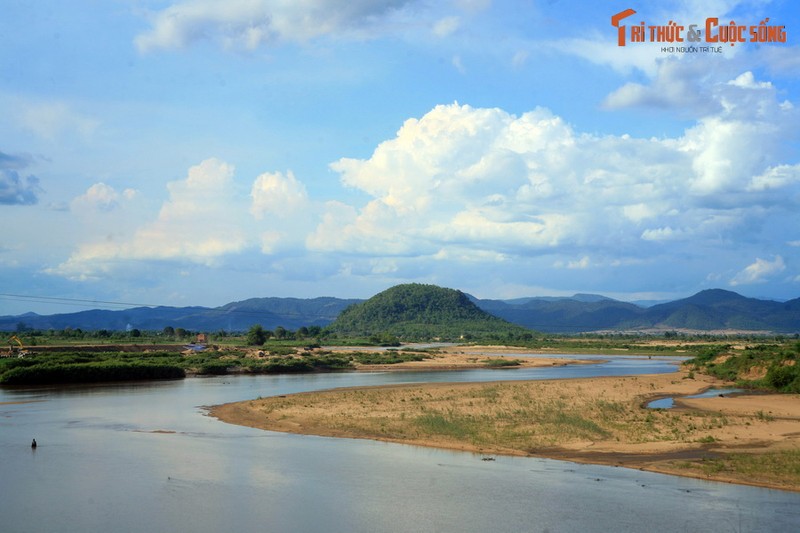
{"x":202,"y":338}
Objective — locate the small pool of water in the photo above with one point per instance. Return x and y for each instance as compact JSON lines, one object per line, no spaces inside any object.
{"x":669,"y":403}
{"x":662,"y":403}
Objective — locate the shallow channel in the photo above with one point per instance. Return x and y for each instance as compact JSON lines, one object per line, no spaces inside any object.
{"x":669,"y":403}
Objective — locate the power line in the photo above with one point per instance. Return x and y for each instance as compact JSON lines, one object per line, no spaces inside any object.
{"x":68,"y":301}
{"x":122,"y":306}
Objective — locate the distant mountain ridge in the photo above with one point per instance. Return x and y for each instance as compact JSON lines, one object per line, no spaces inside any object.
{"x":717,"y":309}
{"x":708,"y":310}
{"x":291,"y":313}
{"x":564,"y":315}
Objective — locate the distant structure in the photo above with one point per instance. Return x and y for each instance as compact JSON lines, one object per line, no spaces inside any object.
{"x":202,"y":338}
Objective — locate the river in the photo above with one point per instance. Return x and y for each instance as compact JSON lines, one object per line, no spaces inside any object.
{"x":145,"y":457}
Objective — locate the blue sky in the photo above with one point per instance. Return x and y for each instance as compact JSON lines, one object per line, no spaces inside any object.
{"x":194,"y":152}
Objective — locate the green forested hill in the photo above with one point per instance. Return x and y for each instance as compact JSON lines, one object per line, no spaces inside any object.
{"x":415,"y":311}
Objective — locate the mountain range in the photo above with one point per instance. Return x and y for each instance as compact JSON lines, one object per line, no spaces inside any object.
{"x":709,"y":310}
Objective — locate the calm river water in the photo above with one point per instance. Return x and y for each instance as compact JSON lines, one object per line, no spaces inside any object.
{"x":145,"y":457}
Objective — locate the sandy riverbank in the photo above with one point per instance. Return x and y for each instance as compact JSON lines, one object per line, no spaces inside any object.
{"x":469,"y":357}
{"x":746,"y":439}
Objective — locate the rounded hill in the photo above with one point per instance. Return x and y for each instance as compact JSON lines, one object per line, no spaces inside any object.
{"x":416,"y":311}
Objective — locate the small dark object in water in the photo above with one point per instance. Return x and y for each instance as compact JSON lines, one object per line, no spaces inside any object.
{"x":487,"y":458}
{"x":33,"y":444}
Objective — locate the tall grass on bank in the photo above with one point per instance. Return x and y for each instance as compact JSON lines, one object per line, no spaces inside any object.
{"x":782,"y":467}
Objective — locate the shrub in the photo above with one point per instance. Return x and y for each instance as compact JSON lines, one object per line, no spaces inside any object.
{"x":215,"y":368}
{"x":502,"y":363}
{"x":784,"y":378}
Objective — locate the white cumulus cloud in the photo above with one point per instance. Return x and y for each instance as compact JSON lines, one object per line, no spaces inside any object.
{"x":281,"y":202}
{"x":758,"y":272}
{"x":101,"y":197}
{"x":484,"y":179}
{"x":277,"y":194}
{"x":677,"y":84}
{"x":663,"y":234}
{"x":199,"y":222}
{"x":775,"y":178}
{"x":746,"y":80}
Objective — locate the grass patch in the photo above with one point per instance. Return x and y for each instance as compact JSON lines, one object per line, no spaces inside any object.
{"x":456,"y":426}
{"x":573,"y":425}
{"x":389,"y":357}
{"x":782,"y":467}
{"x":766,"y":417}
{"x":501,"y":363}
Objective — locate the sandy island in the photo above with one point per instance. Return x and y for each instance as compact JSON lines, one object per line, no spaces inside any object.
{"x":748,"y":439}
{"x":470,"y":357}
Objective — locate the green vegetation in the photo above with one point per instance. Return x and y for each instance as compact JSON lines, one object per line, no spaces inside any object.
{"x":79,"y":367}
{"x":168,"y":336}
{"x":502,"y":363}
{"x":751,"y":361}
{"x":256,"y":336}
{"x":461,"y":427}
{"x":387,"y":358}
{"x":415,"y":312}
{"x":613,"y":343}
{"x":779,"y":468}
{"x":89,"y":372}
{"x":83,"y":366}
{"x":771,"y":366}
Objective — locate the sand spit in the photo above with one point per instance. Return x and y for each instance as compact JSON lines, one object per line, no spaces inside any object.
{"x":748,"y":439}
{"x":464,"y":358}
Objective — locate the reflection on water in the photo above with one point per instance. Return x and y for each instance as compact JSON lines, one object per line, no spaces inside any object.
{"x":144,"y":457}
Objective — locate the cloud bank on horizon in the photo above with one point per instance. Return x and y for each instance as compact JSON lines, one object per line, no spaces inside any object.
{"x":252,"y":148}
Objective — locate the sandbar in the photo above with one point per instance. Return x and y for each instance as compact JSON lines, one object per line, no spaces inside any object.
{"x":748,"y":438}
